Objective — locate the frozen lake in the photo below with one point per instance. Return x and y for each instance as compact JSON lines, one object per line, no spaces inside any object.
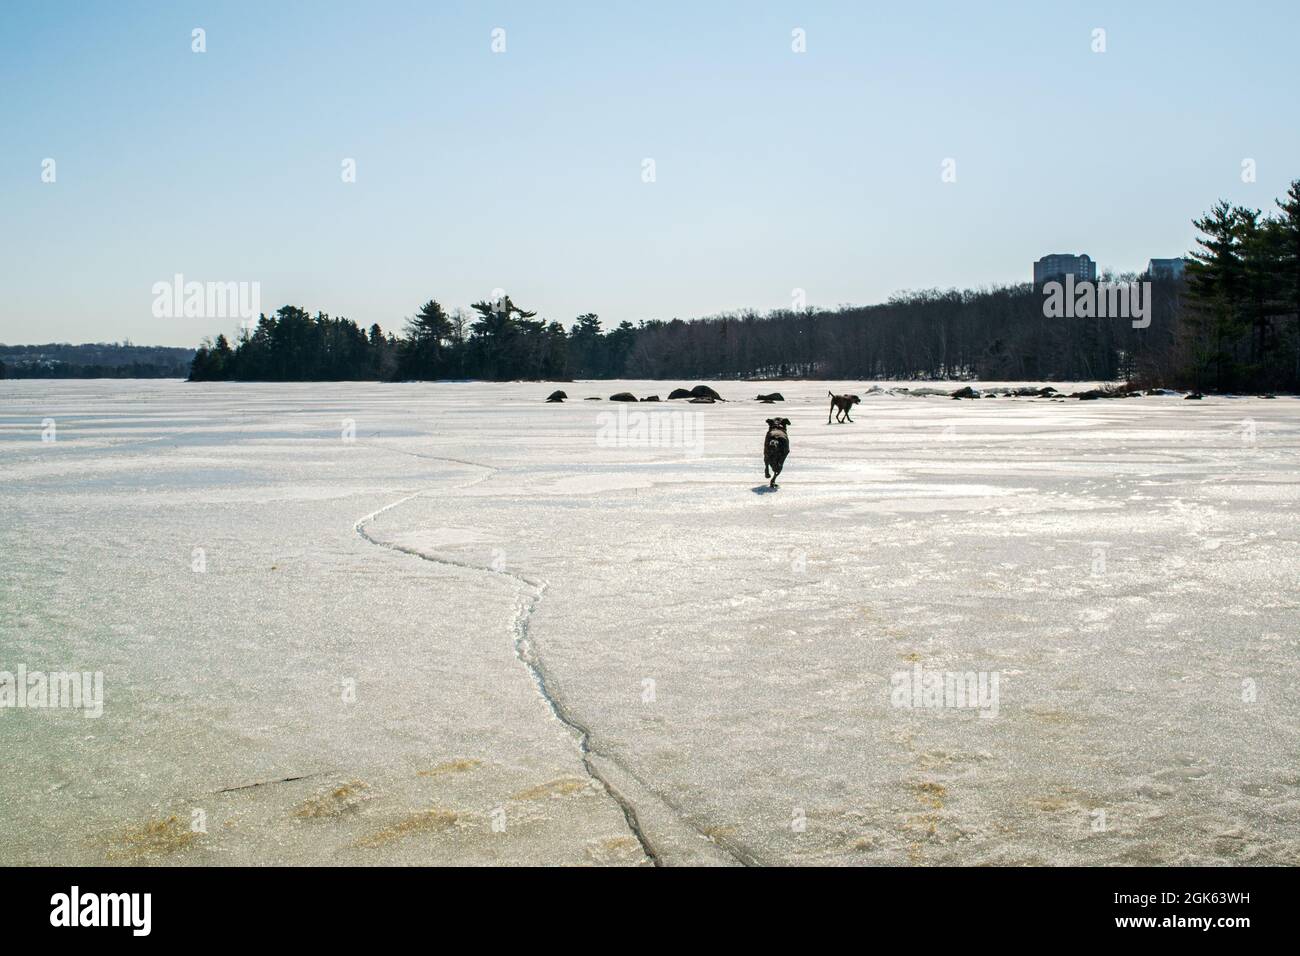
{"x":363,"y":623}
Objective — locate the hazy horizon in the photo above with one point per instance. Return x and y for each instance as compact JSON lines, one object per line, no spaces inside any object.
{"x":523,"y":170}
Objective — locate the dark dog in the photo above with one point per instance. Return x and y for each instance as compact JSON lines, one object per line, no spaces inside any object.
{"x":776,"y":445}
{"x":841,"y":404}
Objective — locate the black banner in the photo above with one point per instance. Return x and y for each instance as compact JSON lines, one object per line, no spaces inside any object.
{"x":952,"y":904}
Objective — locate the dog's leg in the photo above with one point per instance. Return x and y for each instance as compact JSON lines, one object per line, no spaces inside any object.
{"x":846,"y":414}
{"x":831,"y":412}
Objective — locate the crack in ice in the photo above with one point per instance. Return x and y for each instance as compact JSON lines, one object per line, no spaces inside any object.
{"x":523,"y":647}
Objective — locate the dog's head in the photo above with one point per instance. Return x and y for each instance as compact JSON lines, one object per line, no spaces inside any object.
{"x":852,"y":399}
{"x":781,"y":423}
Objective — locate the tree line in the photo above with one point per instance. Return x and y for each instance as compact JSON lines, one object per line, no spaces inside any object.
{"x":93,"y":360}
{"x":1242,"y":326}
{"x":71,"y":370}
{"x":1232,"y":323}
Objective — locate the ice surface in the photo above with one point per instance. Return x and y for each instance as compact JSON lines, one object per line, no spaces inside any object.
{"x":568,"y":647}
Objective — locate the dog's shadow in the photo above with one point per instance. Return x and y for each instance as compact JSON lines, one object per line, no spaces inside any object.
{"x":764,"y":490}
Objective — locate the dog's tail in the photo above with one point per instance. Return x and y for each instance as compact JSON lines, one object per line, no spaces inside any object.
{"x":831,"y":394}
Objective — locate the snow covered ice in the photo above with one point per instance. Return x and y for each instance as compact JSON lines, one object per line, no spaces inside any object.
{"x":450,"y":623}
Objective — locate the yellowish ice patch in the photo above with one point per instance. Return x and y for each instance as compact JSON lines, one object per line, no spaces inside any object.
{"x":931,"y":793}
{"x":433,"y":820}
{"x":459,"y":765}
{"x":560,"y":787}
{"x":1048,"y":804}
{"x":154,"y":838}
{"x":334,"y":803}
{"x":614,"y":850}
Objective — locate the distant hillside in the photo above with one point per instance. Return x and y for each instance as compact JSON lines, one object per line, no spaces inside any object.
{"x":98,"y":360}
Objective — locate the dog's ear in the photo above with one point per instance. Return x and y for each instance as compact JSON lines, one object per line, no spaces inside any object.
{"x":785,"y":422}
{"x":771,"y":422}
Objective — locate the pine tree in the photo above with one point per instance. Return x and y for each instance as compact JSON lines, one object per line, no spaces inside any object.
{"x":1216,"y":288}
{"x":1288,"y":244}
{"x":422,"y":349}
{"x":495,"y":339}
{"x":585,"y":346}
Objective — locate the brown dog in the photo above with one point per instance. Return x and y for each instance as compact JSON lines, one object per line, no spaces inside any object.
{"x":842,"y":404}
{"x":776,"y":446}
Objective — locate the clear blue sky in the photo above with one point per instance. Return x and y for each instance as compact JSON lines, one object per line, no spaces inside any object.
{"x":523,"y":170}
